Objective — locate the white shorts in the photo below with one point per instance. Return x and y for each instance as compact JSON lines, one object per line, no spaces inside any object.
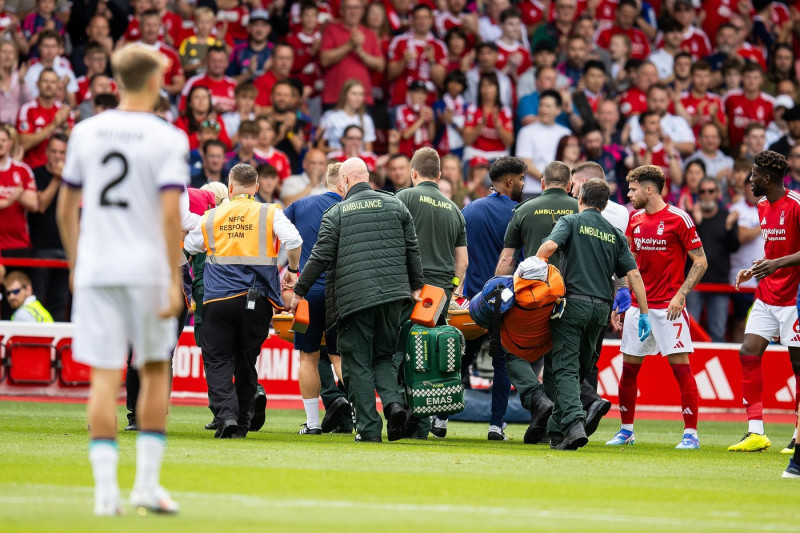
{"x":667,"y":336}
{"x":110,"y":319}
{"x":770,"y":321}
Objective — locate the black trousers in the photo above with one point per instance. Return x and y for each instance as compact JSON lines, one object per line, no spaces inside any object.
{"x":232,"y":339}
{"x":132,"y":376}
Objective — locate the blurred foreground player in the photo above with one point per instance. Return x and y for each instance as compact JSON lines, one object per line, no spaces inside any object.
{"x":130,"y":210}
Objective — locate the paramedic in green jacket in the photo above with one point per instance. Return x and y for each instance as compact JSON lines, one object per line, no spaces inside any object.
{"x":593,"y":251}
{"x":370,"y":242}
{"x":442,"y":235}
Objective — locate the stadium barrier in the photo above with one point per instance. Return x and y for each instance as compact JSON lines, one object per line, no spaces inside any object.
{"x":36,"y":360}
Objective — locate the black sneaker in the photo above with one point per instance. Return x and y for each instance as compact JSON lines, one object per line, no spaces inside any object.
{"x":259,"y":409}
{"x":306,"y":430}
{"x":541,"y":409}
{"x":338,"y":410}
{"x":371,"y":439}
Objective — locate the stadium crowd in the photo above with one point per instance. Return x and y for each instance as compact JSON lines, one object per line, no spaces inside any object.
{"x":696,"y":88}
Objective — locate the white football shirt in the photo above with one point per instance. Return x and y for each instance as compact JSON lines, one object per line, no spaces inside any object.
{"x":122,"y":161}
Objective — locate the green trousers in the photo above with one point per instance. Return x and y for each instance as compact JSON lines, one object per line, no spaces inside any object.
{"x":421,"y":426}
{"x":523,"y":377}
{"x":329,"y":391}
{"x":367,"y":341}
{"x":572,"y":357}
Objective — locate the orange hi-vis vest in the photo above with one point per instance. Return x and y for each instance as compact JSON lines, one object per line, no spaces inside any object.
{"x":525,"y":331}
{"x":242,"y":250}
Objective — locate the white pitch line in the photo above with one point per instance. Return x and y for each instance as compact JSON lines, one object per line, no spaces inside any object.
{"x":586,"y":515}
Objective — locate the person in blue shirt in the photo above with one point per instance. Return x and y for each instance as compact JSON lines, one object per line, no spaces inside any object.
{"x":486,"y":220}
{"x":315,"y":374}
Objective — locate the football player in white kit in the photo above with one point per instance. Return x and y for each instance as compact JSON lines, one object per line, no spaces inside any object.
{"x":126,"y":169}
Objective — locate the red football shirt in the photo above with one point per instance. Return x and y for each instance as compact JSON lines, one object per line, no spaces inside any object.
{"x":222,"y":91}
{"x":33,"y":118}
{"x":277,"y":159}
{"x":416,"y":69}
{"x":640,"y":46}
{"x":660,"y":243}
{"x":264,"y":85}
{"x":505,"y":51}
{"x":305,"y":66}
{"x":692,"y":106}
{"x":696,"y":42}
{"x":370,"y":159}
{"x":659,"y":159}
{"x":741,"y":112}
{"x":780,"y":227}
{"x":633,"y":102}
{"x":532,"y":12}
{"x":85,"y":92}
{"x":405,"y":117}
{"x":13,"y":221}
{"x":350,"y":66}
{"x":488,"y":140}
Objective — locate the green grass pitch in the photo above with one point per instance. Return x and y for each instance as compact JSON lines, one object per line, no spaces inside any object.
{"x":276,"y":480}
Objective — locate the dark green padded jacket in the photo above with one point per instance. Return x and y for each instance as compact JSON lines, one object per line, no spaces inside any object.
{"x":369,"y":241}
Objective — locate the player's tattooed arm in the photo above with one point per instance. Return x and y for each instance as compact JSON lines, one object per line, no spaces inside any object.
{"x":699,"y":266}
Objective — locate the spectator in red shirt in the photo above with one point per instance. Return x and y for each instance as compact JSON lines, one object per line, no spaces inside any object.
{"x":376,"y":19}
{"x":282,"y":60}
{"x":349,"y":50}
{"x":221,"y":87}
{"x":352,"y":142}
{"x":306,"y":43}
{"x":17,"y":195}
{"x":415,"y":120}
{"x":747,"y":105}
{"x":40,"y":118}
{"x":459,"y":57}
{"x":488,"y":128}
{"x":513,"y":58}
{"x":417,"y":56}
{"x":634,"y":100}
{"x":695,"y":41}
{"x":265,"y":148}
{"x":171,"y":22}
{"x":95,"y":58}
{"x":198,"y":112}
{"x":699,"y":106}
{"x":626,"y":16}
{"x":150,"y":25}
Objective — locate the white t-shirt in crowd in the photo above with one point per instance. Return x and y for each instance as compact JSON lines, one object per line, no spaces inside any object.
{"x":748,"y":252}
{"x":122,"y":161}
{"x":538,"y":143}
{"x":335,"y":122}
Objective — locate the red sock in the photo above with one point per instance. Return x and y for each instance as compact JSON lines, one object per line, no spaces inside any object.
{"x":627,"y":392}
{"x":752,"y":384}
{"x":690,"y":399}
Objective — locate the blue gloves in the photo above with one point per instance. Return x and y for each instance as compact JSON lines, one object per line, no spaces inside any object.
{"x":644,"y":327}
{"x":622,"y":300}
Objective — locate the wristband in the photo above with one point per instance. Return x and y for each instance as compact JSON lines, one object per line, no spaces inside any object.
{"x":293,"y":270}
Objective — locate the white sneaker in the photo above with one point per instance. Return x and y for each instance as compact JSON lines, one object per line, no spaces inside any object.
{"x":157,"y":501}
{"x":497,"y":433}
{"x":108,"y":504}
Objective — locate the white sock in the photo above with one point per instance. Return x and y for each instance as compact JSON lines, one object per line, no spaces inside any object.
{"x":628,"y":427}
{"x":104,"y":456}
{"x":311,"y":406}
{"x":755,"y":426}
{"x":692,"y":432}
{"x":794,"y":435}
{"x":149,"y":452}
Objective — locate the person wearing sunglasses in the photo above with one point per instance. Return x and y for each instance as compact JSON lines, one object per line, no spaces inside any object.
{"x":20,"y":296}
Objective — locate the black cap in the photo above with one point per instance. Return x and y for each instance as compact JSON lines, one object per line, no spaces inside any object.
{"x":417,"y":85}
{"x":792,"y":114}
{"x":544,"y":46}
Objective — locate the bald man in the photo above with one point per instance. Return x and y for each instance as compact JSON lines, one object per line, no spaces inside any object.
{"x":311,"y":182}
{"x":369,"y":241}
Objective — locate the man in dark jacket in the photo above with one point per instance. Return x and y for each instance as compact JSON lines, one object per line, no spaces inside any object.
{"x":370,"y":242}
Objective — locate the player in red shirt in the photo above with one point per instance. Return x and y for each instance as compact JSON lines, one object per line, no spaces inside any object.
{"x":626,"y":16}
{"x":774,"y":312}
{"x":220,"y":86}
{"x":417,"y":56}
{"x":747,"y":105}
{"x":699,"y":105}
{"x":415,"y":120}
{"x":660,"y":236}
{"x":17,"y":195}
{"x":282,"y":58}
{"x":42,"y":117}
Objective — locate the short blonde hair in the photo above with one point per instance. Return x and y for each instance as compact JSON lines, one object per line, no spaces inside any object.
{"x":332,"y":175}
{"x":203,"y":11}
{"x":134,"y":65}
